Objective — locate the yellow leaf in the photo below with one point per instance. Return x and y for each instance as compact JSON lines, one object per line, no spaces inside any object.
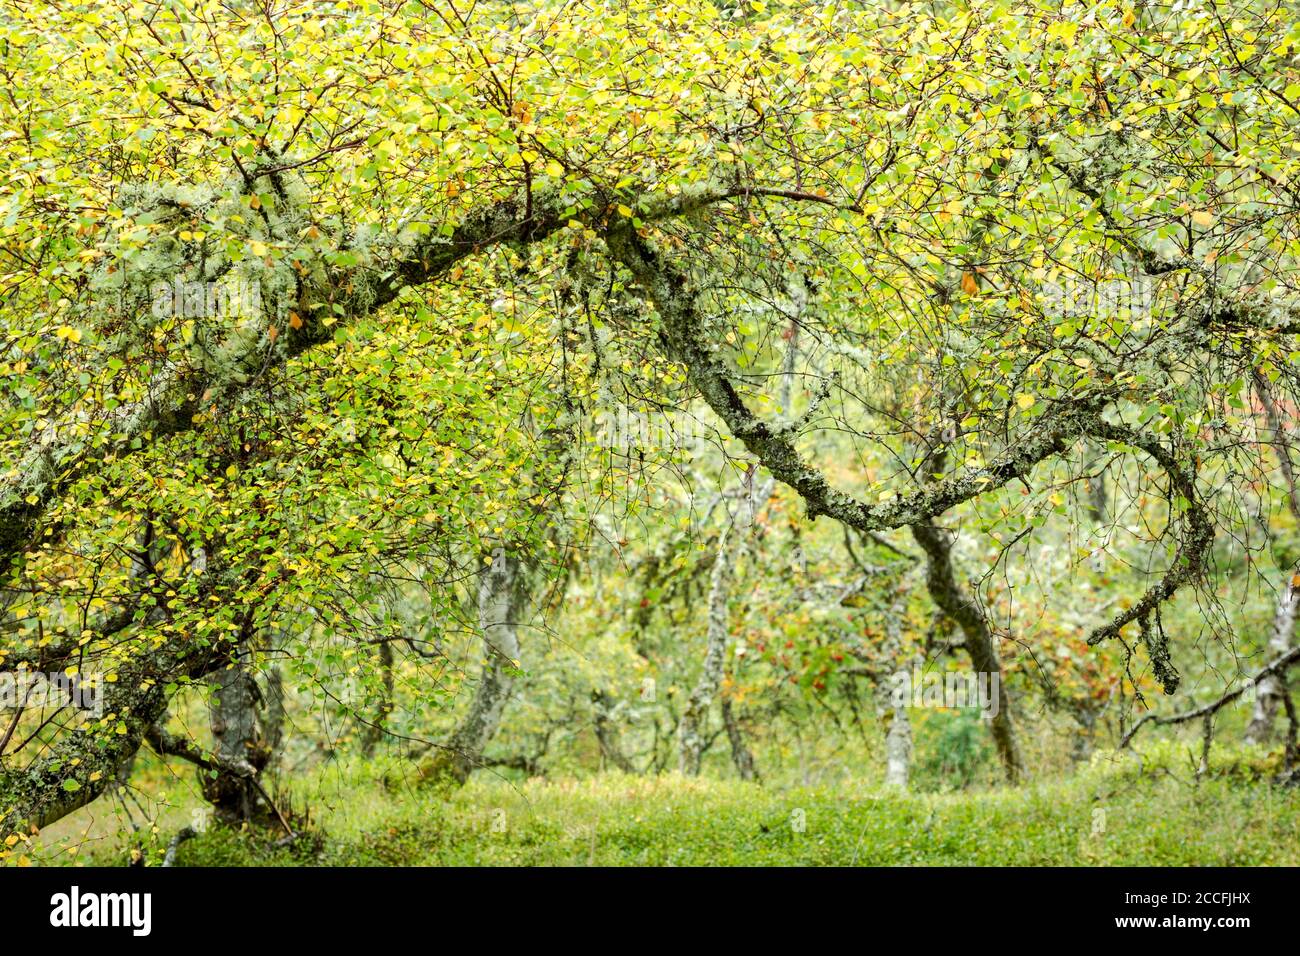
{"x":1203,"y":217}
{"x":1024,"y":400}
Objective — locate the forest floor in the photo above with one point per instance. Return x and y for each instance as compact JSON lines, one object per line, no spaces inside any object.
{"x":1114,"y":812}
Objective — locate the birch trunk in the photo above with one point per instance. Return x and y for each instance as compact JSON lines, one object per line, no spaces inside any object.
{"x":238,"y":741}
{"x":273,"y":719}
{"x":741,"y":755}
{"x":690,"y":739}
{"x":375,"y":730}
{"x":607,"y":735}
{"x":898,"y":748}
{"x":732,"y":544}
{"x":956,"y":602}
{"x":501,"y":596}
{"x":1271,"y":690}
{"x":898,"y":735}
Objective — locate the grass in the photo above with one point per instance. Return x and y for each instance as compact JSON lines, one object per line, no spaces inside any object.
{"x":1112,"y":813}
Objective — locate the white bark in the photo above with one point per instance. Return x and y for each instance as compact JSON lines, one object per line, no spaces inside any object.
{"x":1271,"y":689}
{"x":732,"y":546}
{"x":898,"y":748}
{"x":898,"y":736}
{"x":690,"y":741}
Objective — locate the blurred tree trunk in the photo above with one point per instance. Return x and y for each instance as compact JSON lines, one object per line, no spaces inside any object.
{"x":1098,"y":504}
{"x":273,"y":719}
{"x":606,"y":735}
{"x":1271,"y":690}
{"x":898,"y":748}
{"x":741,"y":755}
{"x":238,"y":741}
{"x":690,"y":737}
{"x":501,"y":597}
{"x":374,"y":731}
{"x":956,"y":602}
{"x":963,"y":608}
{"x":898,"y":734}
{"x":733,"y":544}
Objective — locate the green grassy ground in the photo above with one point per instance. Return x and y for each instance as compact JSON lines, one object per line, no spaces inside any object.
{"x":1112,"y":813}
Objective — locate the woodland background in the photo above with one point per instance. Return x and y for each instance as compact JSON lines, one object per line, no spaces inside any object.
{"x":541,"y":432}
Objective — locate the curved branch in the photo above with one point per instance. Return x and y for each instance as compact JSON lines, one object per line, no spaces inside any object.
{"x":1188,"y":563}
{"x":1277,"y":664}
{"x":669,"y":290}
{"x":177,"y":397}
